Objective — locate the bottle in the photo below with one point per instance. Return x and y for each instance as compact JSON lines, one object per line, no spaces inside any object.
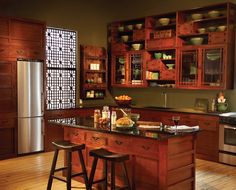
{"x":96,"y":115}
{"x":213,"y":105}
{"x":105,"y":112}
{"x":113,"y":117}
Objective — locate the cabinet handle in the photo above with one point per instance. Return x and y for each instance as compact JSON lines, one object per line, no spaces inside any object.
{"x":95,"y":138}
{"x":145,"y":147}
{"x":20,"y":51}
{"x":118,"y":142}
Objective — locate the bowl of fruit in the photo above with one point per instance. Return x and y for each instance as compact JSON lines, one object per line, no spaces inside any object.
{"x":123,"y":100}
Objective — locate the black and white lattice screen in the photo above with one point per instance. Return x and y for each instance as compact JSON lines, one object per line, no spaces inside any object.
{"x":61,"y":68}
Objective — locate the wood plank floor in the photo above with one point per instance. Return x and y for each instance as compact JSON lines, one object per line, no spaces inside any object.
{"x":31,"y":173}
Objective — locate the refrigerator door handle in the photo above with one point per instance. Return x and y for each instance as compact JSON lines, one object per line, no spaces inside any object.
{"x":42,"y":103}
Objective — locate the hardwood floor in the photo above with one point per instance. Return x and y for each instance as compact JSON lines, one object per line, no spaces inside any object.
{"x":31,"y":173}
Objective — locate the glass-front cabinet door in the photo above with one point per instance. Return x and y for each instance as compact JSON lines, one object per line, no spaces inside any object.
{"x":212,"y":67}
{"x":136,"y":68}
{"x":188,"y":68}
{"x":119,"y":69}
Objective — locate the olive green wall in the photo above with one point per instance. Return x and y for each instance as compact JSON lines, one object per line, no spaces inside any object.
{"x":90,"y":19}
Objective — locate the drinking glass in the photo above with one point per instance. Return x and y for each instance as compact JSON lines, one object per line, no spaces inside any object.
{"x":176,"y":119}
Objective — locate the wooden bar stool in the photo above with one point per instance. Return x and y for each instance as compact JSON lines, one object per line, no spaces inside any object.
{"x":68,"y":147}
{"x":113,"y":158}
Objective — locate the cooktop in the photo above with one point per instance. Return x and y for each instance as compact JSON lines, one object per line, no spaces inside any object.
{"x":228,"y":118}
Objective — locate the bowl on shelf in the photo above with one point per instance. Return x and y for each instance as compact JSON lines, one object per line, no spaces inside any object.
{"x":121,"y":28}
{"x":158,"y":55}
{"x":125,"y":38}
{"x":221,"y":28}
{"x":196,"y":16}
{"x":164,"y":21}
{"x":213,"y":13}
{"x":211,"y":28}
{"x":139,"y":26}
{"x":170,"y":66}
{"x":196,"y":40}
{"x":129,"y":27}
{"x":136,"y":46}
{"x":201,"y":30}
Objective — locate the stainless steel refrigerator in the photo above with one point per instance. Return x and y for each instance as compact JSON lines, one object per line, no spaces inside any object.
{"x":30,"y":106}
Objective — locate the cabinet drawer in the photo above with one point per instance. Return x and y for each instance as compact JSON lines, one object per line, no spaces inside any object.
{"x":119,"y":142}
{"x":96,"y":139}
{"x":77,"y":136}
{"x":208,"y":125}
{"x":145,"y":147}
{"x":26,"y":52}
{"x":7,"y":123}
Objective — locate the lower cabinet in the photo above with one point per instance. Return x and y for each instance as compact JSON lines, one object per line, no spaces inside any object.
{"x":8,"y":136}
{"x":153,"y":164}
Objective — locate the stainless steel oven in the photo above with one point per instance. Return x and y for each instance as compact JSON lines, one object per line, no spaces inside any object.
{"x":227,"y":138}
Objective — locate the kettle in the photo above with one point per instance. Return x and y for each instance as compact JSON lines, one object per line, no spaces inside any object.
{"x":223,"y":106}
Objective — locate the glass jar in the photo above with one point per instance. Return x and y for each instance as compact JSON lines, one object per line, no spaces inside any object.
{"x":96,"y":115}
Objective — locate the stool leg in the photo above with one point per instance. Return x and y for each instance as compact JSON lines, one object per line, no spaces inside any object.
{"x":54,"y":162}
{"x":113,"y":182}
{"x":68,"y":177}
{"x":92,"y":172}
{"x":83,"y":169}
{"x":126,"y":175}
{"x":105,"y":175}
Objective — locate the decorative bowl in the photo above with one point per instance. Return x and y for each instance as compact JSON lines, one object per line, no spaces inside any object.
{"x":136,"y":46}
{"x":201,"y":30}
{"x":123,"y":103}
{"x":211,"y":28}
{"x":213,"y":14}
{"x":158,"y":55}
{"x":121,"y":28}
{"x":129,"y":27}
{"x":125,"y":38}
{"x":139,"y":26}
{"x":221,"y":28}
{"x":170,"y":66}
{"x":196,"y":40}
{"x":196,"y":16}
{"x":164,"y":21}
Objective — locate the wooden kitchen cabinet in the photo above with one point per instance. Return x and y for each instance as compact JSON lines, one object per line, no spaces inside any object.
{"x":93,"y":72}
{"x":128,"y":69}
{"x":207,"y":64}
{"x":8,"y":133}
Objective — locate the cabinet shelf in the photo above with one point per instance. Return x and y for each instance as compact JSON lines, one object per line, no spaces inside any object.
{"x":210,"y":19}
{"x":162,"y":27}
{"x":94,"y":71}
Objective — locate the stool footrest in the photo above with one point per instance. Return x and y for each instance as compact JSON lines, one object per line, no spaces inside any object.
{"x":60,"y":169}
{"x":59,"y":178}
{"x":99,"y":181}
{"x":77,"y":174}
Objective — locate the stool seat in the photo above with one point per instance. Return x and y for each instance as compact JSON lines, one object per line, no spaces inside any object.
{"x":113,"y":158}
{"x":68,"y":145}
{"x":107,"y":155}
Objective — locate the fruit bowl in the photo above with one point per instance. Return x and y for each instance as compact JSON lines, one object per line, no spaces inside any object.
{"x":123,"y":100}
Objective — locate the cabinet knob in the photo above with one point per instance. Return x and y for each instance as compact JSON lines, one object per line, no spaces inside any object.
{"x":118,"y":142}
{"x":145,"y":147}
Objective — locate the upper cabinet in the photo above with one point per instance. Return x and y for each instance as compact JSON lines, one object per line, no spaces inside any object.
{"x":93,"y":72}
{"x":192,"y":49}
{"x":206,"y":42}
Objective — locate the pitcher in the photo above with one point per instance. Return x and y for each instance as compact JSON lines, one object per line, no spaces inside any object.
{"x":221,"y":107}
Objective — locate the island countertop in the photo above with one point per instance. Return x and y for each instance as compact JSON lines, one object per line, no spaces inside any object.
{"x":88,"y":124}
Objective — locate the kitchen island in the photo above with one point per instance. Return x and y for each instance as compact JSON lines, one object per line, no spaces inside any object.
{"x":158,"y":159}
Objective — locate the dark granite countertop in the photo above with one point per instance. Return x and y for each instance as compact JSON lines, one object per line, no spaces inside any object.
{"x":88,"y":124}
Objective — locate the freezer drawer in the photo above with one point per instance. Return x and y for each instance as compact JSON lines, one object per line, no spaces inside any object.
{"x":30,"y":135}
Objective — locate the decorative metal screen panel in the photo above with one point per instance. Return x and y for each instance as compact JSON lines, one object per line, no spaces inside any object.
{"x":61,"y":68}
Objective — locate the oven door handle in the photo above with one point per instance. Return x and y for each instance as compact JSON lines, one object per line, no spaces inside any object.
{"x":233,"y":128}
